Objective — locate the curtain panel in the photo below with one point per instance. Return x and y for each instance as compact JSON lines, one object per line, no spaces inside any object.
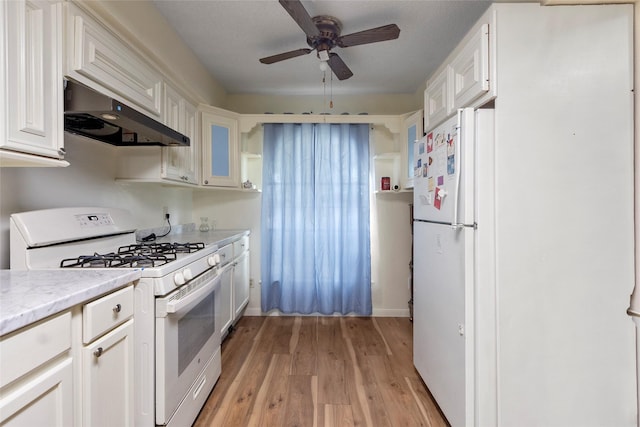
{"x":316,"y":255}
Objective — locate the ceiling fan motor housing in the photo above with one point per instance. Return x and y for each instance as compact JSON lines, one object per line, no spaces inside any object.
{"x":329,"y":28}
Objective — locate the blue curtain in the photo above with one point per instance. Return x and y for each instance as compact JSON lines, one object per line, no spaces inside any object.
{"x":316,"y":253}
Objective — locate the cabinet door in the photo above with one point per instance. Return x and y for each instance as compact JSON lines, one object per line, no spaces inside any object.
{"x":32,"y":88}
{"x":108,"y":379}
{"x":240,"y":283}
{"x":173,"y":158}
{"x":99,"y":59}
{"x":437,"y":99}
{"x":180,"y":163}
{"x":225,"y":307}
{"x":221,"y":151}
{"x":45,"y":400}
{"x":191,"y":155}
{"x":412,"y":131}
{"x":470,"y":69}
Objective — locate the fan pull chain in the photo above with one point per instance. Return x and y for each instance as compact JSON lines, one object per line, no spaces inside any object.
{"x":331,"y":92}
{"x":324,"y":91}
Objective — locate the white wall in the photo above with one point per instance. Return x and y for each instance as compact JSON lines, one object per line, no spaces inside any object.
{"x":88,"y":181}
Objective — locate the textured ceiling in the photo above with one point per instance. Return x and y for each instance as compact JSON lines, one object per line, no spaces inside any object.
{"x":229,"y":37}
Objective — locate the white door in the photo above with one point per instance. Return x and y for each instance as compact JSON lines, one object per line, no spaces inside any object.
{"x":443,"y":316}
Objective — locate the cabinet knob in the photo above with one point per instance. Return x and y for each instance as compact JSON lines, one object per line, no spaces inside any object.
{"x":98,"y":352}
{"x":117,"y":308}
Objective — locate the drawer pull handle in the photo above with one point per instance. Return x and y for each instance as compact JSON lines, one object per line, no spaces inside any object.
{"x":98,"y":352}
{"x":117,"y":308}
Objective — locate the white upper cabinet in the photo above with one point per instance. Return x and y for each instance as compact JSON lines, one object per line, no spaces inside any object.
{"x":470,"y":69}
{"x":438,"y":103}
{"x":31,"y":84}
{"x":99,"y":59}
{"x":220,"y":148}
{"x":461,"y":80}
{"x":180,"y":163}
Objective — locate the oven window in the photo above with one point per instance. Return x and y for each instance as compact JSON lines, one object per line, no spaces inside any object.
{"x":194,"y":330}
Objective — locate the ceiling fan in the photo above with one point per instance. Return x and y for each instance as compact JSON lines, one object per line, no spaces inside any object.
{"x":323,"y":34}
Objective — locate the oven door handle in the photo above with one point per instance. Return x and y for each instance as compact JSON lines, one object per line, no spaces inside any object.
{"x":174,"y":306}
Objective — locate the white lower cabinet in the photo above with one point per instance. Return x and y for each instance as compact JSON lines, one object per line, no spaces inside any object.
{"x":46,"y":400}
{"x":107,"y":360}
{"x":107,"y":378}
{"x":240,"y":283}
{"x":234,"y":291}
{"x":36,"y":375}
{"x":225,"y":309}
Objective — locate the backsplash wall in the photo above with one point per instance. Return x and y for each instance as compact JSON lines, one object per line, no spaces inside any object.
{"x":88,"y":181}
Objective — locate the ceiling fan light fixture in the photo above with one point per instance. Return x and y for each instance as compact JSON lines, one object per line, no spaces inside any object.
{"x":323,"y":55}
{"x":324,"y":66}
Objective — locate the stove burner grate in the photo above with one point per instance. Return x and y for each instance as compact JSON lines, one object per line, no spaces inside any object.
{"x":130,"y":256}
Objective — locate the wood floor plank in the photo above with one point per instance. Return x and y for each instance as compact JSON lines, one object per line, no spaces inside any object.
{"x":367,"y":403}
{"x":338,"y":416}
{"x":304,"y":348}
{"x":300,"y":410}
{"x":271,"y":399}
{"x":331,"y":380}
{"x":319,"y":371}
{"x":400,"y":403}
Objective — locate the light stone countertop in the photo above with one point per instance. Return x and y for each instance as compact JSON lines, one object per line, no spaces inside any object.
{"x":190,"y":233}
{"x":29,"y":296}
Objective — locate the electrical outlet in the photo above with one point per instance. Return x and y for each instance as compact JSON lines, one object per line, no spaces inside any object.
{"x":251,"y":283}
{"x":165,"y":212}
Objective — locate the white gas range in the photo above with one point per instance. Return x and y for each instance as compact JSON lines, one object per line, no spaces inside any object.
{"x":176,"y":321}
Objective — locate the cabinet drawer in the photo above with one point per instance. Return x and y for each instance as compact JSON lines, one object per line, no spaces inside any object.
{"x":32,"y":346}
{"x":226,"y":254}
{"x":106,"y":313}
{"x":241,"y":245}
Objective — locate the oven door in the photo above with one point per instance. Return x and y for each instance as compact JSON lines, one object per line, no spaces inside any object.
{"x":187,"y":337}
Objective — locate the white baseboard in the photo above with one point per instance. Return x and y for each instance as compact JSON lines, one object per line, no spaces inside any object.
{"x":380,"y":312}
{"x":390,"y":312}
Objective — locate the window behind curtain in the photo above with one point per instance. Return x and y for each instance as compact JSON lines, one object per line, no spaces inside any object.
{"x":315,"y":219}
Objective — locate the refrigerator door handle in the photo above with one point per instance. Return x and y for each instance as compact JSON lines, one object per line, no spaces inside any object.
{"x":454,"y":222}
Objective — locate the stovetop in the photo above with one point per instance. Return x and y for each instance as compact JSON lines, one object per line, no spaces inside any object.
{"x":136,"y":255}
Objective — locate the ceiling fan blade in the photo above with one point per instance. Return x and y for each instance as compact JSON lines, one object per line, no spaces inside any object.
{"x":338,"y":67}
{"x":373,"y":35}
{"x":286,"y":55}
{"x":301,"y":16}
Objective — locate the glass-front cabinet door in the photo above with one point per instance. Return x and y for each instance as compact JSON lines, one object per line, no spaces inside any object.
{"x":411,"y":131}
{"x":221,"y":151}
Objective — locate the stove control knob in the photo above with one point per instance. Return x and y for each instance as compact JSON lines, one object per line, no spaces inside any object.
{"x":186,"y":273}
{"x":216,"y":257}
{"x":211,"y":260}
{"x":178,"y":279}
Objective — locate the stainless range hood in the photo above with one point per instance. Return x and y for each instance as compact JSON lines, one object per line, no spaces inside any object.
{"x":97,"y":116}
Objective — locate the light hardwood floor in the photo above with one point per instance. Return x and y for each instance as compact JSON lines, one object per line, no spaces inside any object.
{"x":319,"y":371}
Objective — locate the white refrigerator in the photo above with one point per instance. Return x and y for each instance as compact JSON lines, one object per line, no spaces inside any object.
{"x":519,"y":314}
{"x":444,"y":260}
